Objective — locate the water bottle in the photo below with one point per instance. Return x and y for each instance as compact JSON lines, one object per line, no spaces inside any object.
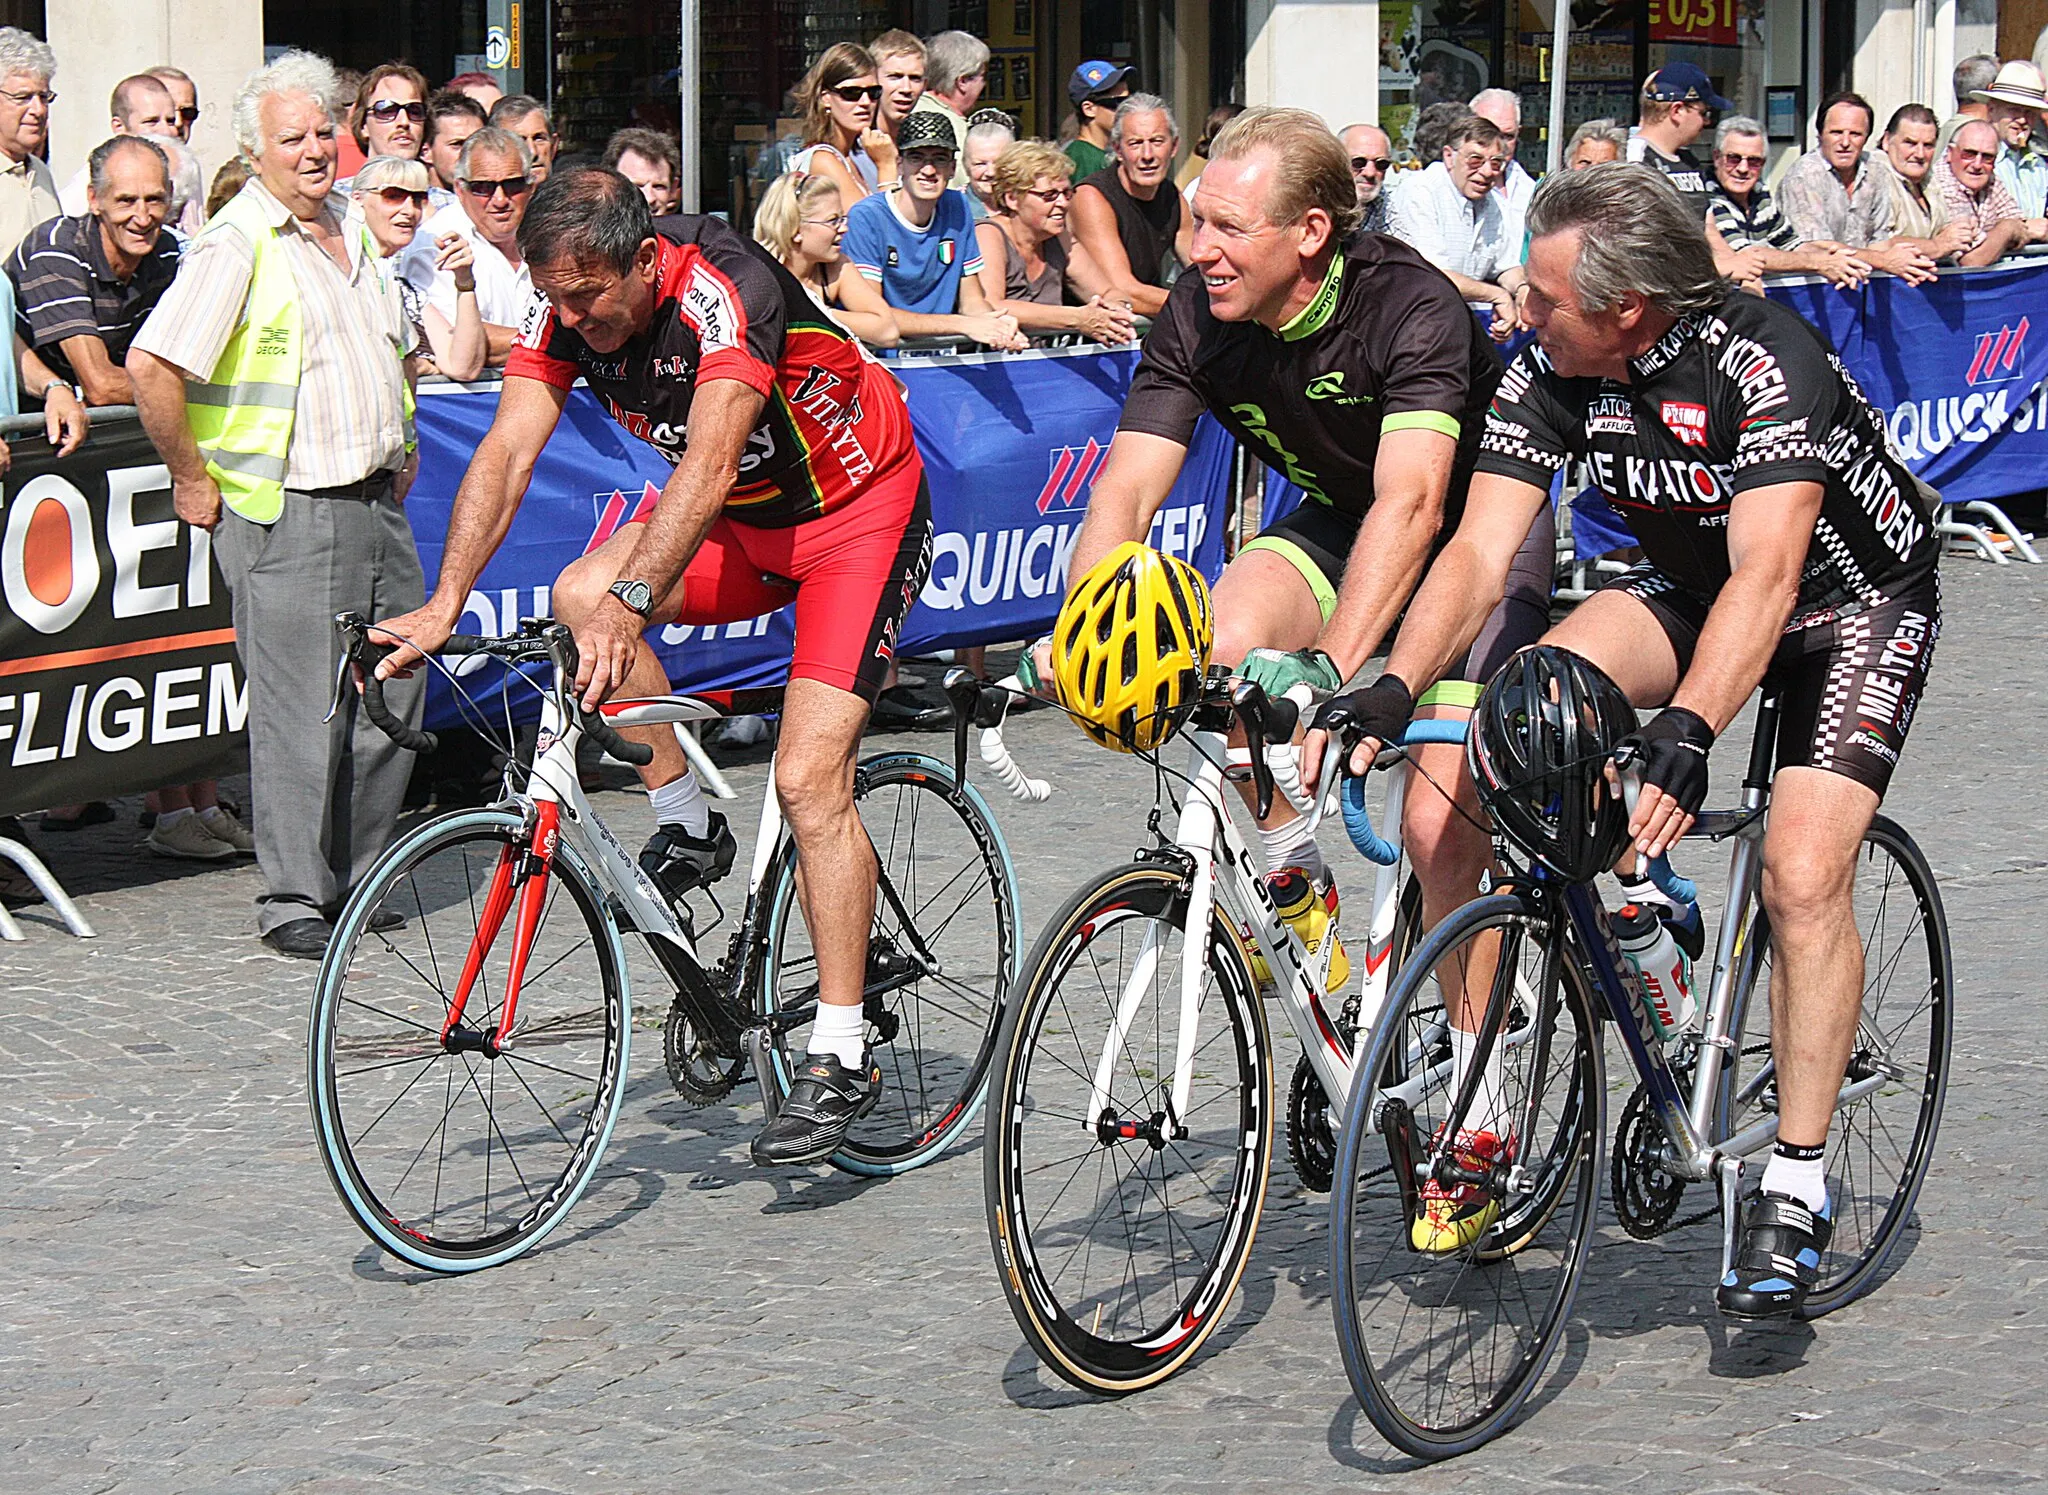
{"x":1664,"y":970}
{"x":1299,"y":902}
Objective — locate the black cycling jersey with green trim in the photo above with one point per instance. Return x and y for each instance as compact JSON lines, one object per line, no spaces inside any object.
{"x":1386,"y":344}
{"x":1742,"y":397}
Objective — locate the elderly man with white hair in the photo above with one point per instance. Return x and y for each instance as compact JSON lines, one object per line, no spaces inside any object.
{"x":28,"y":193}
{"x":274,"y":379}
{"x":1370,"y":150}
{"x":1516,"y":185}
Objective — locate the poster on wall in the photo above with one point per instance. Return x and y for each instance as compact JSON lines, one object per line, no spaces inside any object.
{"x":1696,"y":23}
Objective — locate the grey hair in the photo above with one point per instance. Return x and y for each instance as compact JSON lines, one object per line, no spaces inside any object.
{"x":991,"y":129}
{"x":100,"y":164}
{"x":1973,"y":73}
{"x":1733,"y":125}
{"x":188,"y":181}
{"x":1637,"y":235}
{"x":951,"y":56}
{"x":519,"y":106}
{"x":25,"y":56}
{"x":1141,"y":103}
{"x":1598,"y":129}
{"x":498,"y":140}
{"x":379,"y":172}
{"x":307,"y":73}
{"x":1496,"y":96}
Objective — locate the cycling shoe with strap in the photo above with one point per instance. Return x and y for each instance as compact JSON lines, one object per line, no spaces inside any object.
{"x":1778,"y":1259}
{"x":679,"y":861}
{"x":826,"y":1099}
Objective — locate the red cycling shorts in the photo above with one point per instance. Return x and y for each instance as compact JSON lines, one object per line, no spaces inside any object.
{"x":853,"y":574}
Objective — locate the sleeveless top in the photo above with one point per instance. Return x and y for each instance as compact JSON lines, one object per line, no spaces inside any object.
{"x":1147,"y":229}
{"x":1048,"y":287}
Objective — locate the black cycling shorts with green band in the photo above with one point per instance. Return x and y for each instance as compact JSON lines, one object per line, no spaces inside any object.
{"x":1385,"y":346}
{"x":1316,"y":540}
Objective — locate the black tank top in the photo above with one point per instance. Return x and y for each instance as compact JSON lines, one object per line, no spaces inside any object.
{"x":1147,"y":229}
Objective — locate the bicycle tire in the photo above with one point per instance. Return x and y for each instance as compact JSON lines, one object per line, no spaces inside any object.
{"x":935,"y":1065}
{"x":1902,"y":923}
{"x":1448,"y":1393}
{"x":382,"y":997}
{"x":1043,"y":1246}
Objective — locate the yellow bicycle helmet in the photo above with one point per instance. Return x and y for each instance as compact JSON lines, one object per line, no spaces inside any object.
{"x":1131,"y":645}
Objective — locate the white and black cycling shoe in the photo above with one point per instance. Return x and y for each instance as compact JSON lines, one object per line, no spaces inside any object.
{"x":679,"y":861}
{"x":826,"y":1099}
{"x":1778,"y":1260}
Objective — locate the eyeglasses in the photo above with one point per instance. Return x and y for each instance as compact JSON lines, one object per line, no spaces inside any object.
{"x":386,"y":110}
{"x":853,"y":93}
{"x":1056,"y":195}
{"x":23,"y":100}
{"x":836,"y":222}
{"x":188,"y":113}
{"x":511,"y":186}
{"x":1754,"y":163}
{"x":395,"y":197}
{"x":1377,"y":163}
{"x":1987,"y":157}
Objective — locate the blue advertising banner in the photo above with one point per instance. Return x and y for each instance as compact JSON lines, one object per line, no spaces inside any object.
{"x":1012,"y":446}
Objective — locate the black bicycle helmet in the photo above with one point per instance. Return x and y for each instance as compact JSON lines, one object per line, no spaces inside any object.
{"x":1539,"y":745}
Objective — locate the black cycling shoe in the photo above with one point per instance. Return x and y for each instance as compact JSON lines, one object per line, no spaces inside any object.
{"x":679,"y":861}
{"x":1778,"y":1260}
{"x":826,"y":1099}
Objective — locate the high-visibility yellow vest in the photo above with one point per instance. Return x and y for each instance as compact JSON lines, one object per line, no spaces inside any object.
{"x":242,"y":417}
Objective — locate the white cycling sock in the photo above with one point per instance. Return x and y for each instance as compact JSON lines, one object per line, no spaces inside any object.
{"x":1489,"y":1112}
{"x":681,"y":802}
{"x":840,"y":1032}
{"x":1802,"y":1178}
{"x":1286,"y":846}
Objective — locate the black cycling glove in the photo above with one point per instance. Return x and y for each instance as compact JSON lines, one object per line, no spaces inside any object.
{"x":1380,"y":711}
{"x":1674,"y":745}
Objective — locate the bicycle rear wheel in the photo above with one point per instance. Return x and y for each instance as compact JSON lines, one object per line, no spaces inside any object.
{"x":945,"y":883}
{"x":1881,"y":1144}
{"x":459,"y":1153}
{"x":1120,"y":1229}
{"x":1443,"y":1348}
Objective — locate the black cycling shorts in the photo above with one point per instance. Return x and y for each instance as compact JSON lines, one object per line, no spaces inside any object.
{"x":1317,"y":539}
{"x":1849,"y":686}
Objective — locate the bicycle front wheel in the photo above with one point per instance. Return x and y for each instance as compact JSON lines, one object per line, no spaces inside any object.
{"x":1121,"y":1222}
{"x":457,"y":1148}
{"x":1882,"y":1142}
{"x":941,"y":955}
{"x":1444,"y":1346}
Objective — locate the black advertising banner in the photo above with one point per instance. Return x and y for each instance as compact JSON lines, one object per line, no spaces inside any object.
{"x":117,"y":650}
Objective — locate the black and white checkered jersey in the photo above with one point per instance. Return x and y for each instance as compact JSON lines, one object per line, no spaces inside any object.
{"x":1742,"y":397}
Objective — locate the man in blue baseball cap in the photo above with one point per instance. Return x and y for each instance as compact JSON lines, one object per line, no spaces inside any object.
{"x":1678,"y":102}
{"x":1096,"y":89}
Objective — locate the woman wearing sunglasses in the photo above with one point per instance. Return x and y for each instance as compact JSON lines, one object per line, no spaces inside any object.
{"x":1031,"y":267}
{"x":839,"y":98}
{"x":391,"y":194}
{"x":801,"y":221}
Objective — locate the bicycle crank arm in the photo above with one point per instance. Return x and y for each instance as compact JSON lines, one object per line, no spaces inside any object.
{"x":759,"y":1043}
{"x":1397,"y":1125}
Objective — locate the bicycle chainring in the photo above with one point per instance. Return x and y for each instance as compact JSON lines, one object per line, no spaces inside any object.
{"x":1646,"y":1196}
{"x":1311,"y":1141}
{"x":700,"y":1076}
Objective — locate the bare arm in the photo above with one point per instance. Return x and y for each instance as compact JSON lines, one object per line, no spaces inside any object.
{"x":484,"y":508}
{"x":459,"y":351}
{"x":975,"y":319}
{"x":1409,"y":479}
{"x":1094,"y":223}
{"x":1497,"y":297}
{"x":498,"y":344}
{"x":104,"y":382}
{"x":160,"y":399}
{"x":2006,"y":235}
{"x":723,"y":414}
{"x":995,"y":259}
{"x":65,"y":420}
{"x":1136,"y":476}
{"x":862,"y":311}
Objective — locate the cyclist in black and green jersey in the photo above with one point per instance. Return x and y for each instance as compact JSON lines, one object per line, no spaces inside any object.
{"x":1349,"y":365}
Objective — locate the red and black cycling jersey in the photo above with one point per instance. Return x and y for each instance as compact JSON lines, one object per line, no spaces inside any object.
{"x":725,"y":309}
{"x":1741,"y":397}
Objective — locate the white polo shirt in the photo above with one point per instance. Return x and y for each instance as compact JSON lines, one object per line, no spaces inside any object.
{"x":502,"y":291}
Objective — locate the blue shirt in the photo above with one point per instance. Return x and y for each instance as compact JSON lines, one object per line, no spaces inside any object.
{"x":918,"y":270}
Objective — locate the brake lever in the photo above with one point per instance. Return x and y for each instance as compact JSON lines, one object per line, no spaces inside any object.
{"x":351,"y":627}
{"x":1248,"y":700}
{"x":964,"y":692}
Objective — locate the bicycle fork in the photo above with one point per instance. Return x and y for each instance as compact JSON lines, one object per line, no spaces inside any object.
{"x":522,"y":876}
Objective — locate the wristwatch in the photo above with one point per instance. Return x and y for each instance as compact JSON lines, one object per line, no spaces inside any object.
{"x":637,"y":595}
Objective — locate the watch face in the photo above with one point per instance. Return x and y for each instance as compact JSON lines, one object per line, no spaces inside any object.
{"x":637,"y":595}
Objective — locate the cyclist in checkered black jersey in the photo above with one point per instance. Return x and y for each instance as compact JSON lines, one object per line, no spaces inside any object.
{"x":1781,"y":532}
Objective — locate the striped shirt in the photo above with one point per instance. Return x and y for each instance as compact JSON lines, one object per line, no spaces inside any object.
{"x":350,"y":418}
{"x":1978,"y":209}
{"x":28,"y":195}
{"x":64,"y":286}
{"x":1761,"y":224}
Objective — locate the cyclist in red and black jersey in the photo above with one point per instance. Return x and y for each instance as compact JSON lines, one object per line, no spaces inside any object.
{"x":796,"y":479}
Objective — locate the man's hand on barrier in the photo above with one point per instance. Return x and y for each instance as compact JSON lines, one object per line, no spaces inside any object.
{"x":995,"y":330}
{"x":64,"y":419}
{"x":1900,"y":259}
{"x":197,"y":501}
{"x":1109,"y":321}
{"x":417,"y":634}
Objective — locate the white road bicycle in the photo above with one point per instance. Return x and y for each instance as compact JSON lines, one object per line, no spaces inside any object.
{"x":470,"y":1029}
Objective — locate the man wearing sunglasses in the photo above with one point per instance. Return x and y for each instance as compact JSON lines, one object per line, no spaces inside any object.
{"x":28,"y":193}
{"x":1761,"y":240}
{"x":184,"y":93}
{"x":390,"y":116}
{"x":493,"y":177}
{"x":1968,"y":184}
{"x":1370,"y":153}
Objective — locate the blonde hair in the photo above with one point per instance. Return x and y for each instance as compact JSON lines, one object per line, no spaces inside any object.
{"x":408,"y":172}
{"x":842,"y":60}
{"x":1310,"y":168}
{"x":1019,"y":168}
{"x":780,"y":218}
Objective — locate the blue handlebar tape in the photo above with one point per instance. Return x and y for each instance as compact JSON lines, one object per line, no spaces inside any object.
{"x":1358,"y":819}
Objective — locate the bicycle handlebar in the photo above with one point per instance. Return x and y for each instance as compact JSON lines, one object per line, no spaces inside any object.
{"x":1358,"y":817}
{"x":984,"y":704}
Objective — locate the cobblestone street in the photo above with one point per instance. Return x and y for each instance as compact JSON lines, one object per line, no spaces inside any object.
{"x":186,"y":1306}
